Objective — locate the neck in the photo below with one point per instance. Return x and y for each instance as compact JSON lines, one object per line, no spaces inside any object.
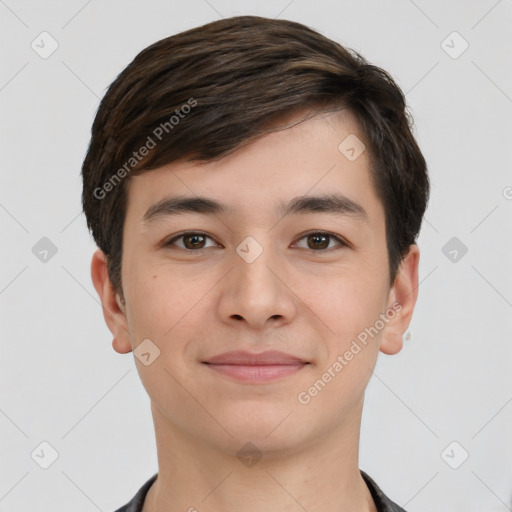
{"x":197,"y":476}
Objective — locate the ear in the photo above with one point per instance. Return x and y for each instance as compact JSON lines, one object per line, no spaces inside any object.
{"x":113,"y":309}
{"x":402,"y":299}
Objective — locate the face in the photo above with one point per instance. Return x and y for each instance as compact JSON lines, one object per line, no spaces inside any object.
{"x":264,"y":271}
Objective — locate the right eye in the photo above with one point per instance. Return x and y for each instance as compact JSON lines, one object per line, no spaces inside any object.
{"x":192,"y":241}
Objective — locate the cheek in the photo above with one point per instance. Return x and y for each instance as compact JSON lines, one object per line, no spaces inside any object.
{"x":348,"y":309}
{"x":155,"y":302}
{"x":347,"y":303}
{"x":349,"y":306}
{"x":167,"y":313}
{"x":169,"y":308}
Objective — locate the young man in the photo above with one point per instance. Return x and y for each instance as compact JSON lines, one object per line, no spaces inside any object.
{"x":255,"y":193}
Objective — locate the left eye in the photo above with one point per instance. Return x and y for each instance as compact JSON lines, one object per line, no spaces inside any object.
{"x":318,"y":241}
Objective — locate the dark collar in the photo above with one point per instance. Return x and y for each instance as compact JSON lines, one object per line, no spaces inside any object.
{"x":382,"y":502}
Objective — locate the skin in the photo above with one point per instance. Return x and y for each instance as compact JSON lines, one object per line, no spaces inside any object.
{"x":293,"y":298}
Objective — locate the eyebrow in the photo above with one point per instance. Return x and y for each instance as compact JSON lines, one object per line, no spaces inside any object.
{"x":330,"y":203}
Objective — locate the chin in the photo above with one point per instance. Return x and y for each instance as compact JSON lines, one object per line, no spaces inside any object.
{"x":270,"y":429}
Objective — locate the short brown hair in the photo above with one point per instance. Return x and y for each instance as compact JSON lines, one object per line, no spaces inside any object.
{"x":238,"y":77}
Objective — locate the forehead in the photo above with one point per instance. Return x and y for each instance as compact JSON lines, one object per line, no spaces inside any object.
{"x":322,"y":155}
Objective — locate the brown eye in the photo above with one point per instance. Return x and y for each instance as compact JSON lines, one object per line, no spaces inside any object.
{"x":190,"y":241}
{"x":320,"y":241}
{"x":193,"y":241}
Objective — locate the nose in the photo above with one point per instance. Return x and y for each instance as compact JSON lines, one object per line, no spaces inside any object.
{"x":257,"y":292}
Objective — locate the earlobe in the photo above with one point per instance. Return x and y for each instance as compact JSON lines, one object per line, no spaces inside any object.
{"x":404,"y":294}
{"x":120,"y":346}
{"x":392,"y":344}
{"x":113,"y":309}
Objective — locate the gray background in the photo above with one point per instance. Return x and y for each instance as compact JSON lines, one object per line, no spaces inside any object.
{"x":62,"y":383}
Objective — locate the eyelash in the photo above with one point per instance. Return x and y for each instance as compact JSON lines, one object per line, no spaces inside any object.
{"x":340,"y":240}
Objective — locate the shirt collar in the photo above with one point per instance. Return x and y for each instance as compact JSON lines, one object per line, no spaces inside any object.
{"x":382,"y":502}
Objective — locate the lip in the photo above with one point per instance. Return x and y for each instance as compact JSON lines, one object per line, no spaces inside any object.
{"x":262,"y":367}
{"x":270,"y":357}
